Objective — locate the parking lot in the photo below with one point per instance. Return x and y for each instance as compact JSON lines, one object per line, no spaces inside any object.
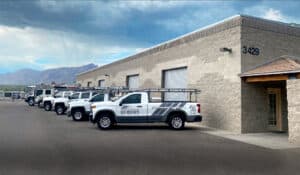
{"x":33,"y":141}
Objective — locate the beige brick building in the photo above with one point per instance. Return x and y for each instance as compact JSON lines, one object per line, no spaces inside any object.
{"x":232,"y":62}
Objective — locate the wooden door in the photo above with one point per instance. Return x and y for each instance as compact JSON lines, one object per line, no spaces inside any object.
{"x":275,"y":109}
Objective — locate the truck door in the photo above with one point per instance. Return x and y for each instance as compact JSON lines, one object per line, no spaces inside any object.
{"x":132,"y":109}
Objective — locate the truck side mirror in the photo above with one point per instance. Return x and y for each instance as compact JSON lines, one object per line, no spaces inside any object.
{"x":121,"y":103}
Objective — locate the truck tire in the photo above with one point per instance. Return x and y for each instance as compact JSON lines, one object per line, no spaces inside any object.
{"x":105,"y":121}
{"x":31,"y":102}
{"x":78,"y":115}
{"x":47,"y":106}
{"x":60,"y":109}
{"x":176,"y":122}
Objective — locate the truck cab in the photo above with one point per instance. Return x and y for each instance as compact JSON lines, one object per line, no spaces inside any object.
{"x":140,"y":107}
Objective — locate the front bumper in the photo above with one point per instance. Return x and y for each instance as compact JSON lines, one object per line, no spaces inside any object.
{"x":91,"y":118}
{"x":68,"y":113}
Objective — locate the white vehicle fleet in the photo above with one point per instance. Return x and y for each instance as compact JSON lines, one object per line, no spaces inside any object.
{"x":147,"y":106}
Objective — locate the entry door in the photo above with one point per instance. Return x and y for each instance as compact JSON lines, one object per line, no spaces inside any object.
{"x":175,"y":78}
{"x":275,"y":111}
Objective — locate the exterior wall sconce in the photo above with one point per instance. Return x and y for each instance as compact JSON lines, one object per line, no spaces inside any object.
{"x":226,"y":49}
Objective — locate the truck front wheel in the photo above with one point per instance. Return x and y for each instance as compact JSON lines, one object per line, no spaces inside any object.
{"x":176,"y":122}
{"x":31,"y":102}
{"x":59,"y":109}
{"x":77,"y":115}
{"x":48,"y":106}
{"x":105,"y":121}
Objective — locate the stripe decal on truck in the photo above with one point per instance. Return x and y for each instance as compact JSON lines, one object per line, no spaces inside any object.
{"x":165,"y":108}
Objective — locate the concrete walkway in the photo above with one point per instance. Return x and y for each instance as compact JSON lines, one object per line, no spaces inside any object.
{"x":270,"y":140}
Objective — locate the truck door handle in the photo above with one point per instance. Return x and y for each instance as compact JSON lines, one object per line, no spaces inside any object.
{"x":139,"y":106}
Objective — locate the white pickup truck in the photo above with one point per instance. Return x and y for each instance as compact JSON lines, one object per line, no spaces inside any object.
{"x":61,"y":105}
{"x":81,"y":109}
{"x":38,"y":95}
{"x":48,"y":102}
{"x":140,"y":107}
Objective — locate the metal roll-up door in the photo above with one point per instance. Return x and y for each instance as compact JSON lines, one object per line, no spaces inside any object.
{"x":101,"y":83}
{"x":175,"y":78}
{"x":133,"y":81}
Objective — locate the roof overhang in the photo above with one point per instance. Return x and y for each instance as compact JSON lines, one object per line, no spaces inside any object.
{"x":279,"y":69}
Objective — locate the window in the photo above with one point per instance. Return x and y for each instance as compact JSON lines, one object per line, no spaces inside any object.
{"x":101,"y":83}
{"x":85,"y":95}
{"x":99,"y":97}
{"x":48,"y":92}
{"x":75,"y":96}
{"x":135,"y":98}
{"x":38,"y":92}
{"x":94,"y":93}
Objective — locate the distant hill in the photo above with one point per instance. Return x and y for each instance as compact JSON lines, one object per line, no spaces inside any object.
{"x":30,"y":76}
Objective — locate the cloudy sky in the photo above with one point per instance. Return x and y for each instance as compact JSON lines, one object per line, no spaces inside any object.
{"x":48,"y":34}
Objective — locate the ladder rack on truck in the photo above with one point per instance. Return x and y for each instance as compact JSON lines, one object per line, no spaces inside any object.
{"x":161,"y":93}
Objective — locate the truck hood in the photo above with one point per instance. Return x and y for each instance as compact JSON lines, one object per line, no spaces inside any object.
{"x":104,"y":103}
{"x":61,"y":99}
{"x":48,"y":98}
{"x":78,"y":103}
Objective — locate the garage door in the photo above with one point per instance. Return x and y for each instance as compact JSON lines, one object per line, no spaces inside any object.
{"x":133,"y":81}
{"x":101,"y":83}
{"x":175,"y":78}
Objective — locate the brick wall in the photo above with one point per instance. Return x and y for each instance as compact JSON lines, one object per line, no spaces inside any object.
{"x":293,"y":96}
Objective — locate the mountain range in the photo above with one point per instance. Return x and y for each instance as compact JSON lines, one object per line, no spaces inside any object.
{"x":31,"y":76}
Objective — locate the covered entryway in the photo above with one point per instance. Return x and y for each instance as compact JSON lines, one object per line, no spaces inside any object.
{"x":267,"y":99}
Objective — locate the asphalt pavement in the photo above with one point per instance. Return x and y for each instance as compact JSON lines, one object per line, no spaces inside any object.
{"x":33,"y":141}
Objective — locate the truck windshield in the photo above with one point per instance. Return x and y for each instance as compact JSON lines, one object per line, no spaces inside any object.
{"x":97,"y":98}
{"x":67,"y":94}
{"x":38,"y":92}
{"x":74,"y":96}
{"x":58,"y":95}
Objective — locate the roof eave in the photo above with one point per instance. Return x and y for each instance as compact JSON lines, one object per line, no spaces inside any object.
{"x":269,"y":73}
